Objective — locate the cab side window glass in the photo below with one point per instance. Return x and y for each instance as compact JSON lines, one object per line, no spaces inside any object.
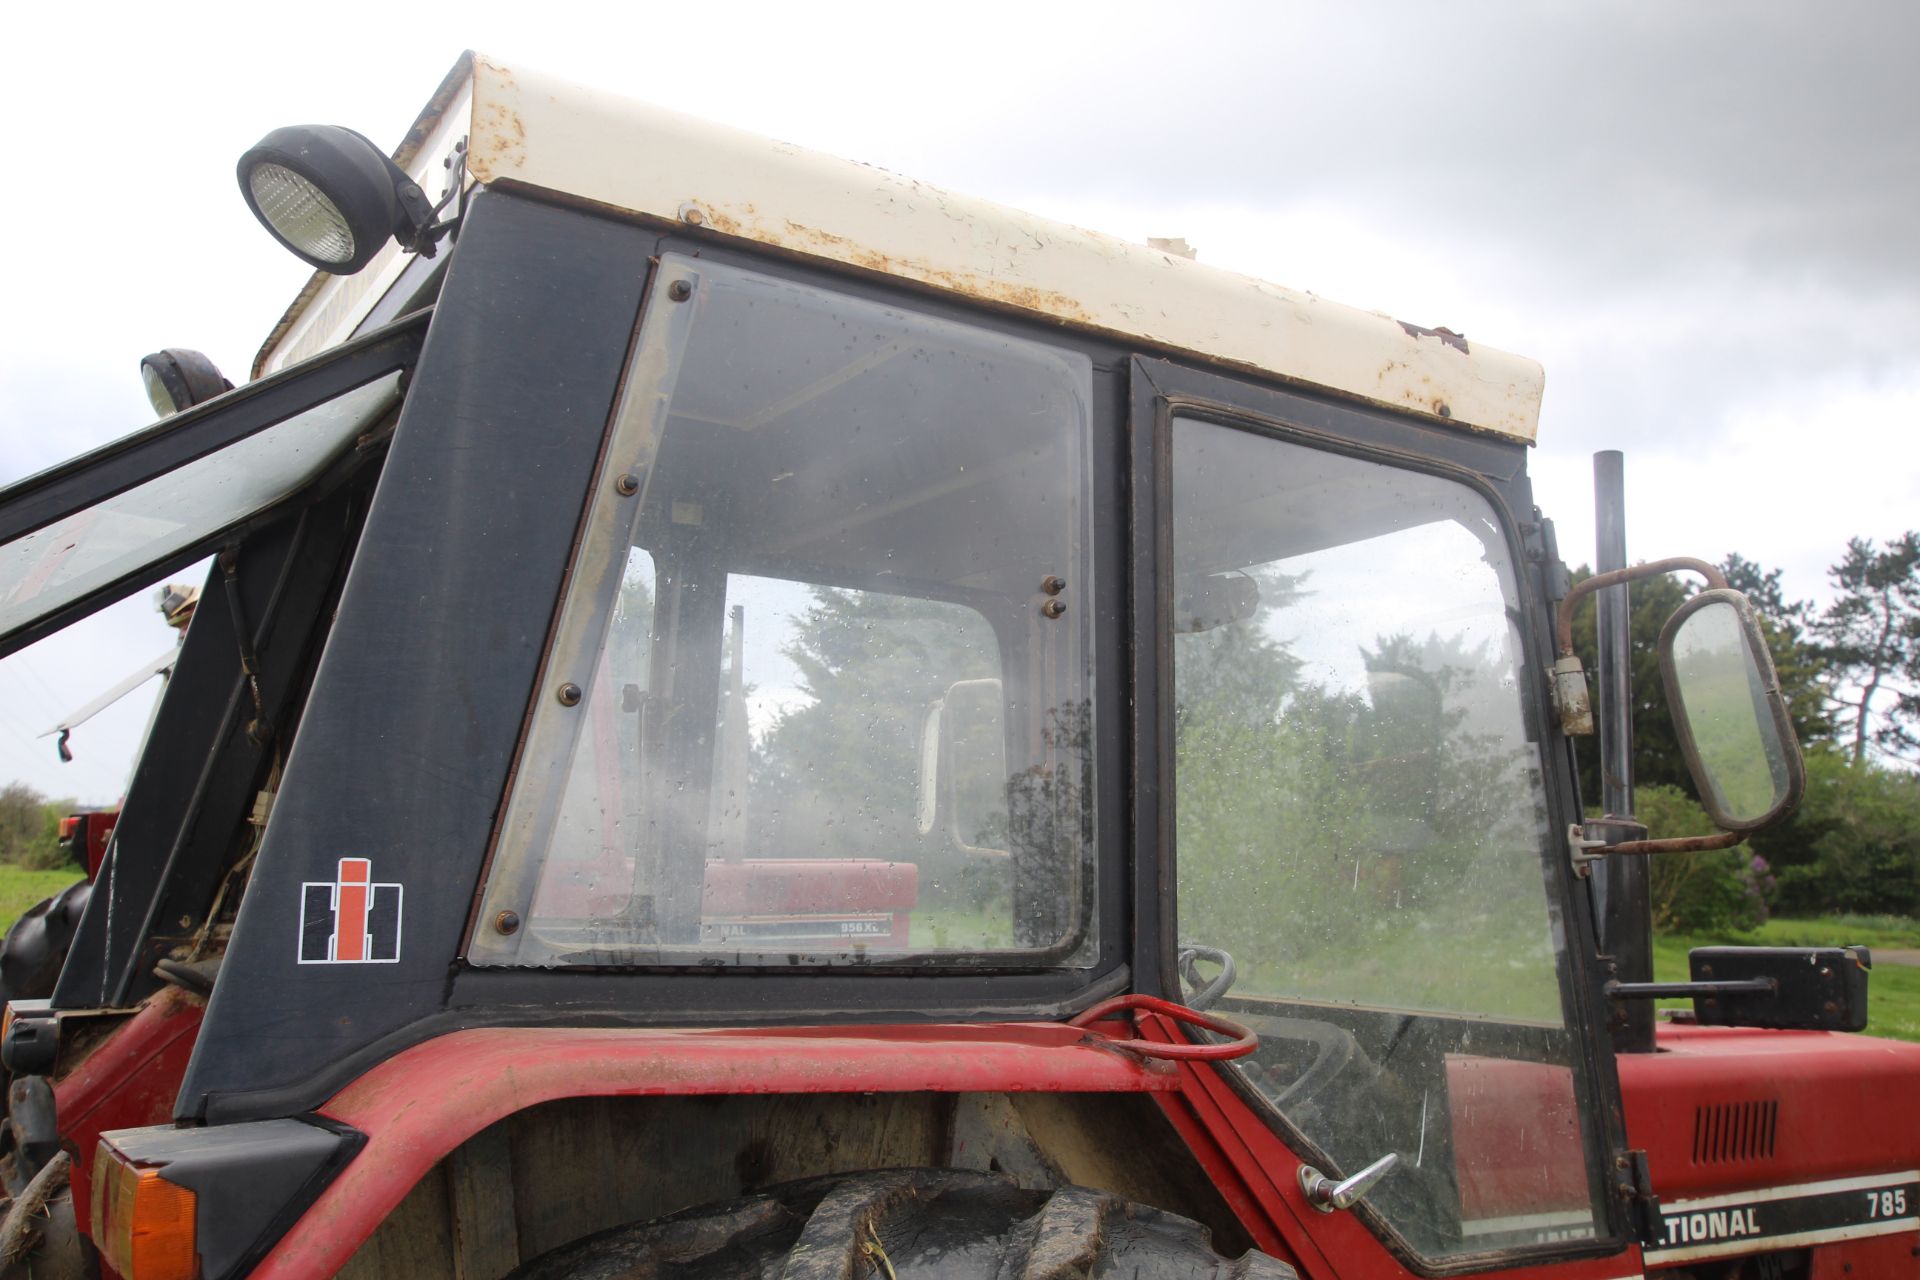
{"x":822,"y":717}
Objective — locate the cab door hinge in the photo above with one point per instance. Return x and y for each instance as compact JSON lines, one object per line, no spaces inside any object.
{"x":1633,"y":1183}
{"x":1543,"y":548}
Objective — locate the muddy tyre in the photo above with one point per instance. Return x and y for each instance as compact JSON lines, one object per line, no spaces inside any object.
{"x":913,"y":1224}
{"x":36,"y":946}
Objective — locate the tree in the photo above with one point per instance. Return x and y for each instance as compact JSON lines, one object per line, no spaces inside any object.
{"x":1237,"y":663}
{"x":840,"y":772}
{"x":19,"y":819}
{"x":1796,"y":658}
{"x":1354,"y":839}
{"x":1854,"y":842}
{"x":1870,"y":638}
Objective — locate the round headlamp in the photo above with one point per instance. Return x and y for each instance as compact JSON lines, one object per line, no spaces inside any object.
{"x":178,"y":378}
{"x":332,"y":197}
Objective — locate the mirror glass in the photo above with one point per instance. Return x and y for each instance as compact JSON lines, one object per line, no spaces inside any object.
{"x":928,"y":811}
{"x":974,"y":760}
{"x":1724,"y":694}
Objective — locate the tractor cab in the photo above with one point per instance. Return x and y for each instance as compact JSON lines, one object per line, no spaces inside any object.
{"x":730,"y":678}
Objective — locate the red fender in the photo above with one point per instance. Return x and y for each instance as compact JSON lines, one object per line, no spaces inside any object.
{"x":419,"y":1105}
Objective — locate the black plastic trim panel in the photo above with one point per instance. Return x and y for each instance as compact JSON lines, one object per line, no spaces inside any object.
{"x":418,"y":699}
{"x":251,"y":1182}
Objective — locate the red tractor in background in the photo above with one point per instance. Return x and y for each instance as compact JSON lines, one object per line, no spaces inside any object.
{"x":1138,"y":833}
{"x":84,"y":835}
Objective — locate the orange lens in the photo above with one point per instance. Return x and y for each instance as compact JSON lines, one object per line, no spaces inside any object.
{"x":142,"y":1224}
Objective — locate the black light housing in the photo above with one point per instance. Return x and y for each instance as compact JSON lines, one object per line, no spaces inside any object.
{"x":333,"y":198}
{"x":178,"y":378}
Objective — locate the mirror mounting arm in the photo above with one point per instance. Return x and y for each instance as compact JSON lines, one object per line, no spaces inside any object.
{"x":1583,"y":850}
{"x":1570,"y":700}
{"x":1563,"y":621}
{"x":1681,"y":844}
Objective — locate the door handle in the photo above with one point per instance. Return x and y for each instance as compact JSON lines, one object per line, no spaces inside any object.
{"x":1326,"y":1195}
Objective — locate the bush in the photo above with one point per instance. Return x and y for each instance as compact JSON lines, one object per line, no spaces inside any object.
{"x":1718,"y":891}
{"x":30,"y":828}
{"x":43,"y":851}
{"x":1854,"y":845}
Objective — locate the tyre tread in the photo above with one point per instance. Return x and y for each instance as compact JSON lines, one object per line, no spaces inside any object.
{"x":923,"y":1224}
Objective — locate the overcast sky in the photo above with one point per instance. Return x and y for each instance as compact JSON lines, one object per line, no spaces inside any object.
{"x":1701,"y":218}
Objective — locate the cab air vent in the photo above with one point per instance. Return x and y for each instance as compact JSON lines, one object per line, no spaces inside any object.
{"x":1731,"y":1131}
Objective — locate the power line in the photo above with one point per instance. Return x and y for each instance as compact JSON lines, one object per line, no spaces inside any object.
{"x":21,"y":755}
{"x":25,"y":693}
{"x":26,"y":665}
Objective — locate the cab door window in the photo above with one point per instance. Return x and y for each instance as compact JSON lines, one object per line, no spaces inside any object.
{"x":1361,"y":823}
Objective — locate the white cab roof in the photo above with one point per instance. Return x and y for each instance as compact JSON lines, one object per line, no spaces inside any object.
{"x":528,"y":130}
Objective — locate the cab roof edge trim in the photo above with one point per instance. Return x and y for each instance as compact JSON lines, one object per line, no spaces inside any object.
{"x":528,"y":129}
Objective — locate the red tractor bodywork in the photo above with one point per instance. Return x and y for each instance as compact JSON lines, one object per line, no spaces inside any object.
{"x":419,"y":1106}
{"x":1718,"y":1111}
{"x":84,"y":836}
{"x":1722,"y":1109}
{"x":130,"y":1079}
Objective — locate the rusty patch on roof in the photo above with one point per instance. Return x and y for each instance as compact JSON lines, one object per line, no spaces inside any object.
{"x":801,"y":238}
{"x":1458,"y":341}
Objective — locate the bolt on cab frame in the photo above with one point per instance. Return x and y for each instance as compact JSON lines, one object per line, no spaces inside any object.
{"x":738,"y":626}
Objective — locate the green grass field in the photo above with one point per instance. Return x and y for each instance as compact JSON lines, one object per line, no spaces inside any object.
{"x":21,"y":889}
{"x":1893,"y":990}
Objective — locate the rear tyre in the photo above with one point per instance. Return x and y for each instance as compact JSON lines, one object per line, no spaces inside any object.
{"x":909,"y":1224}
{"x":36,"y":946}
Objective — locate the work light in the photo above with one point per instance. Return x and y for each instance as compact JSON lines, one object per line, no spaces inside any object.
{"x":178,"y":378}
{"x":332,"y":197}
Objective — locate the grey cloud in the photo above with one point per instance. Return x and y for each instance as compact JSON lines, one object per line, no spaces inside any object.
{"x":1605,"y":140}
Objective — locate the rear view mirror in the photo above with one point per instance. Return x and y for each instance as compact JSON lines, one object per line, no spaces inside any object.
{"x":963,"y":766}
{"x":1216,"y":600}
{"x":1728,"y":711}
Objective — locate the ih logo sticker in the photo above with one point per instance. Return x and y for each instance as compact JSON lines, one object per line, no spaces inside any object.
{"x":350,"y":921}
